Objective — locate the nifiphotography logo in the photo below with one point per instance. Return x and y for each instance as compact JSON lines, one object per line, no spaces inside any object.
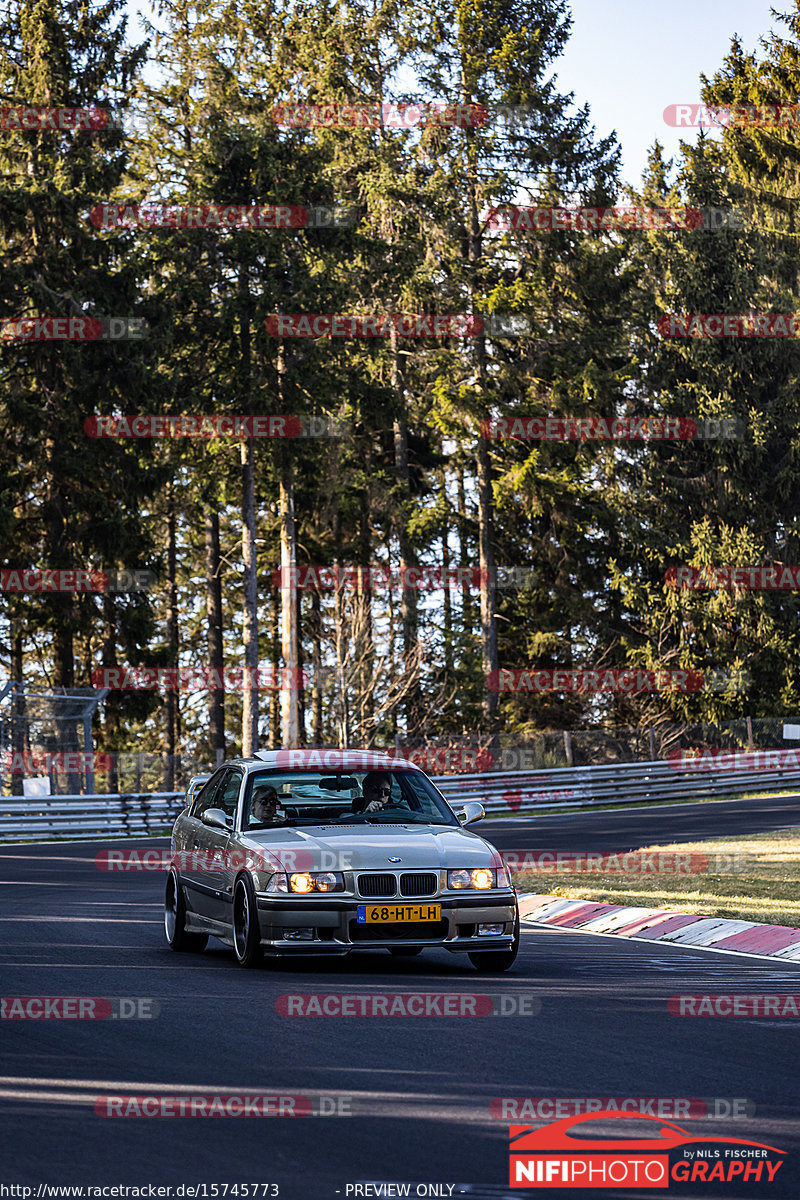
{"x":552,"y":1156}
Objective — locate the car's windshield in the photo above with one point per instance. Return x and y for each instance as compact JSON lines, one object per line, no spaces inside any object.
{"x":276,"y":799}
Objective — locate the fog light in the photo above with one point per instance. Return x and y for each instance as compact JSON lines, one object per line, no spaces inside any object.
{"x":489,"y":930}
{"x":299,"y":935}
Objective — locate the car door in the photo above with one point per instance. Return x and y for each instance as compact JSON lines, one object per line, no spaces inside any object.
{"x":219,"y":869}
{"x":195,"y":867}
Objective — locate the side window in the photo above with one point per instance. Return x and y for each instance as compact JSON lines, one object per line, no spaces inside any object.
{"x":207,"y":796}
{"x":228,"y":795}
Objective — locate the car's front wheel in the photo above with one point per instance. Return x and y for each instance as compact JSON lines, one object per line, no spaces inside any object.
{"x":492,"y":961}
{"x":246,"y":931}
{"x":178,"y":936}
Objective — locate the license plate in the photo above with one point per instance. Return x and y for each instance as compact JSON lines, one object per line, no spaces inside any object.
{"x":378,"y":914}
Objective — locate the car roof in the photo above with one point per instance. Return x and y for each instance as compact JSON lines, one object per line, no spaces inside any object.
{"x":323,"y":759}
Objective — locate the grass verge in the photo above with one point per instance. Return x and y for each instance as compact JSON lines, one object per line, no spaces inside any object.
{"x":762,"y":883}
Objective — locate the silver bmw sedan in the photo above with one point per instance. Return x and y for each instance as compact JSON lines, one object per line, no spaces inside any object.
{"x":323,"y":852}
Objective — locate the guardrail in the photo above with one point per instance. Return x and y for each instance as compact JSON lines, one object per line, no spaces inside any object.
{"x":137,"y":815}
{"x":24,"y":819}
{"x":615,"y":783}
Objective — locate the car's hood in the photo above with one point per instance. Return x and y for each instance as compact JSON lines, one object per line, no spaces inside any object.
{"x":371,"y":847}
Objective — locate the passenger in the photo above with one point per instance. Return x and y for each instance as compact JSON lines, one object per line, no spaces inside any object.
{"x":264,"y":806}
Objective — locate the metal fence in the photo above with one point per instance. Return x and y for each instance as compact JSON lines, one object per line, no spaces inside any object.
{"x":45,"y":748}
{"x":616,"y":783}
{"x":25,"y":819}
{"x":550,"y":749}
{"x":135,"y":815}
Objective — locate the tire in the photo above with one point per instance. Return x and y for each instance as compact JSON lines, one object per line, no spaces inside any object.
{"x":405,"y":951}
{"x":178,"y":937}
{"x":246,"y":931}
{"x":493,"y":961}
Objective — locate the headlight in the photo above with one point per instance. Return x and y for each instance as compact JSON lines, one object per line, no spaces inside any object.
{"x":480,"y":878}
{"x":329,"y":881}
{"x":319,"y":881}
{"x":301,"y":881}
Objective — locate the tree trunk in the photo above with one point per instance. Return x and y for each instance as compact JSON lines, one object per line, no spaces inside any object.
{"x":465,"y":560}
{"x":275,"y":673}
{"x":18,"y":713}
{"x":111,"y":702}
{"x":489,"y":657}
{"x":62,"y":607}
{"x":169,"y":741}
{"x":216,"y":696}
{"x":342,"y":683}
{"x":447,"y":601}
{"x":290,"y":681}
{"x":315,"y":632}
{"x":301,"y":673}
{"x":408,"y":612}
{"x":392,"y":636}
{"x":250,"y":631}
{"x":362,"y":627}
{"x":340,"y":634}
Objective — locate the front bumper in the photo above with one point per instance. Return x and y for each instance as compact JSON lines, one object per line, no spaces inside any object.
{"x":337,"y":931}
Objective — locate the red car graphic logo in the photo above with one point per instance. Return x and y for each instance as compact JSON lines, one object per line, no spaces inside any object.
{"x":552,"y":1156}
{"x":556,"y":1136}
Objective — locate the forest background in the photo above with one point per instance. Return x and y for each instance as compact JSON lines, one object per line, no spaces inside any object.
{"x":402,"y":478}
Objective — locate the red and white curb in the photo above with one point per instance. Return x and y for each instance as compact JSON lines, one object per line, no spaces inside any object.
{"x":664,"y":925}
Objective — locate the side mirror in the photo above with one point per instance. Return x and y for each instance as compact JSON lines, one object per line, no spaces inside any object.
{"x":473,"y":810}
{"x":216,"y":818}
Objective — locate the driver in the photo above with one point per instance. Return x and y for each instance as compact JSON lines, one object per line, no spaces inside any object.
{"x":264,"y":807}
{"x":377,"y":790}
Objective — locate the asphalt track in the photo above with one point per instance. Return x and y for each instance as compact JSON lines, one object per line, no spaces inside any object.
{"x":420,"y":1088}
{"x":630,"y":828}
